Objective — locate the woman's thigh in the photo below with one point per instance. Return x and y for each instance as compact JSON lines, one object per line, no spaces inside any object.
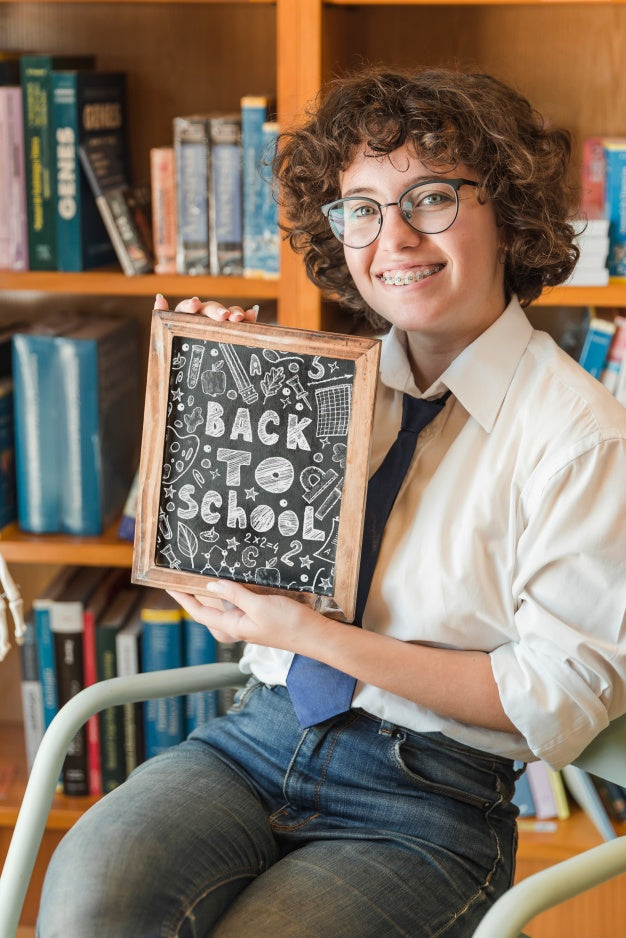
{"x":162,"y":855}
{"x":354,"y":888}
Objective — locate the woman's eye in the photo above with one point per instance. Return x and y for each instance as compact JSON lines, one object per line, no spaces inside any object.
{"x":364,"y":210}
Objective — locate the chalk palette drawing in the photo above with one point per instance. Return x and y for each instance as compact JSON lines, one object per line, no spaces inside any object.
{"x":252,"y":472}
{"x":254,"y":459}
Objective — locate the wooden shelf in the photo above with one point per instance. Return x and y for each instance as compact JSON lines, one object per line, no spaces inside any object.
{"x":108,"y":550}
{"x":612,"y":295}
{"x":114,"y":283}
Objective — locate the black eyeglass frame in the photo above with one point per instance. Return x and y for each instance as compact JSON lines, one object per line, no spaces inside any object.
{"x":455,"y":184}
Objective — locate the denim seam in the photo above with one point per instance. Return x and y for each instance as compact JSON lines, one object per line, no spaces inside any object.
{"x":480,"y":892}
{"x":328,"y":758}
{"x":183,"y":914}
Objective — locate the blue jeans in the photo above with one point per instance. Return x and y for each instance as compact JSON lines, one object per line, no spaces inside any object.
{"x":255,"y":827}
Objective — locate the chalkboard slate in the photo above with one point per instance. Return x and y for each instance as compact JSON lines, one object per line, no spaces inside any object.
{"x":257,"y":438}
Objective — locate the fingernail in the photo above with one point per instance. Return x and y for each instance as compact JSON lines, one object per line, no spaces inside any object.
{"x":256,"y":308}
{"x":214,"y":586}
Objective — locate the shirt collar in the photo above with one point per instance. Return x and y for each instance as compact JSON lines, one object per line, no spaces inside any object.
{"x":479,"y":376}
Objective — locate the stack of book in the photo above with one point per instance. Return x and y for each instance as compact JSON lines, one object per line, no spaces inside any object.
{"x":591,"y":269}
{"x":213,"y":206}
{"x":67,"y":199}
{"x":77,"y":415}
{"x":90,"y":625}
{"x":603,"y":203}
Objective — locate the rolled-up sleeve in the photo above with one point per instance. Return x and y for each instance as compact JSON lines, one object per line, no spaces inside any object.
{"x":563,"y":678}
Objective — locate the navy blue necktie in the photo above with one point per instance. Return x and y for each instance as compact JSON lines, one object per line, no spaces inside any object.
{"x":317,"y":690}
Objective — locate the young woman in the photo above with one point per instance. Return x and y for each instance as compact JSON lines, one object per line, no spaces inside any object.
{"x":435,"y":203}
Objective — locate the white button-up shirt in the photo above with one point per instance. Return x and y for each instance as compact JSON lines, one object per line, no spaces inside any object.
{"x":508,"y":536}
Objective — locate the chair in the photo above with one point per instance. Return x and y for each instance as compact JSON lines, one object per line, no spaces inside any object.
{"x":41,"y":787}
{"x":605,"y":757}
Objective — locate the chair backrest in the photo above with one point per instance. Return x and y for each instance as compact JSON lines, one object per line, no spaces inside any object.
{"x":606,"y":755}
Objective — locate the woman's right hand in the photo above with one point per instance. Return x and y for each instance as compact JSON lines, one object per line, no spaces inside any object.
{"x":210,"y":308}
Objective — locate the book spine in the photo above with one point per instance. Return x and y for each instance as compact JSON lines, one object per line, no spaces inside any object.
{"x":254,"y":113}
{"x":111,"y":718}
{"x":615,"y":206}
{"x":199,"y":648}
{"x":541,"y":788}
{"x":128,"y":649}
{"x":270,"y":244}
{"x":191,"y":158}
{"x":47,"y":666}
{"x":38,"y":151}
{"x":67,"y":203}
{"x":90,"y":672}
{"x":162,"y":648}
{"x":13,"y":224}
{"x":596,"y":346}
{"x":32,"y":695}
{"x":523,"y":797}
{"x":8,"y":496}
{"x":593,"y":177}
{"x":163,"y":184}
{"x":68,"y":647}
{"x":225,"y":197}
{"x":36,"y":443}
{"x":81,"y":496}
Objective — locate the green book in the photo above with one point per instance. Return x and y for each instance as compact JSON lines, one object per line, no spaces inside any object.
{"x":35,"y":72}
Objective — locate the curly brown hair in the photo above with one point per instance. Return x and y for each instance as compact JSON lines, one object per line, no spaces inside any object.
{"x":447,"y":117}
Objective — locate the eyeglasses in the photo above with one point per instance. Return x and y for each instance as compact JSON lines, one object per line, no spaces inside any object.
{"x":429,"y":207}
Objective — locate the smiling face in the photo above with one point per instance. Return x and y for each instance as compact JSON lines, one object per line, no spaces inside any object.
{"x":443,"y":289}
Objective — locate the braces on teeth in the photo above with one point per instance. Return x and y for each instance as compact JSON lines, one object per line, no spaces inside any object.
{"x":410,"y":277}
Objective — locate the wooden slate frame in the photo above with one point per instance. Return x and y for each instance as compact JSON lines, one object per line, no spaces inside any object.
{"x":279,"y":351}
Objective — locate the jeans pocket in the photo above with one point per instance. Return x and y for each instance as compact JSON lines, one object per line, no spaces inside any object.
{"x":475,"y":783}
{"x":243,"y":695}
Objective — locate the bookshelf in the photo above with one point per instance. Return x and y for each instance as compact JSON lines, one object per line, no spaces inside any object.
{"x":199,"y":54}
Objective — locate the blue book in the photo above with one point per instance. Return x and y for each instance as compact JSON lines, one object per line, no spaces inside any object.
{"x":98,"y":388}
{"x":255,"y":111}
{"x":615,"y":204}
{"x":596,"y":346}
{"x":269,"y":253}
{"x":37,"y":415}
{"x":161,"y":649}
{"x":45,"y":641}
{"x":86,"y":106}
{"x":191,"y":160}
{"x":35,"y":72}
{"x":200,"y":648}
{"x":225,"y":196}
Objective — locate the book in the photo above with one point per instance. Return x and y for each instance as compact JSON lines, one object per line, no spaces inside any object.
{"x":592,"y":196}
{"x":199,"y":648}
{"x":225,"y":196}
{"x":255,"y":111}
{"x":126,"y":528}
{"x":112,"y":581}
{"x":122,"y":207}
{"x":596,"y":345}
{"x":31,"y":694}
{"x":582,"y":789}
{"x":615,"y":204}
{"x":67,"y":626}
{"x":37,"y":415}
{"x":86,"y":105}
{"x":42,"y":605}
{"x":161,"y":648}
{"x":191,"y":161}
{"x":270,"y":246}
{"x":35,"y":72}
{"x":128,"y":651}
{"x":112,"y":755}
{"x":163,"y":183}
{"x":615,"y":356}
{"x":8,"y":493}
{"x":613,"y":797}
{"x":13,"y":221}
{"x":97,"y":437}
{"x":560,"y":795}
